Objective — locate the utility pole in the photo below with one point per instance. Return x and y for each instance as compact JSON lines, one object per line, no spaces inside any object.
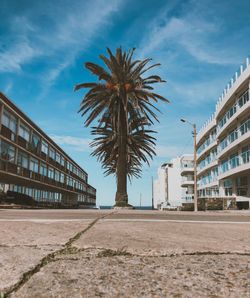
{"x":195,"y":171}
{"x":152,"y":192}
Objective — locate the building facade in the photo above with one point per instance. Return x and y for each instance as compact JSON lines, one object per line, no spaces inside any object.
{"x":223,"y":147}
{"x":32,"y":164}
{"x":175,"y":182}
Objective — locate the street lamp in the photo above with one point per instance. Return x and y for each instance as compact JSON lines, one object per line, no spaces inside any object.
{"x":195,"y":163}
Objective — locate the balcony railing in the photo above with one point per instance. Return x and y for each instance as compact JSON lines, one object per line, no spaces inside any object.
{"x":234,"y":135}
{"x":235,"y":162}
{"x":238,"y":105}
{"x":10,"y":167}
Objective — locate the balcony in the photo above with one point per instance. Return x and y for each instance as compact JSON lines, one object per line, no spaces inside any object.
{"x":236,"y":137}
{"x":236,"y":164}
{"x":207,"y":166}
{"x":210,"y":145}
{"x":187,"y":181}
{"x":244,"y":109}
{"x":187,"y":168}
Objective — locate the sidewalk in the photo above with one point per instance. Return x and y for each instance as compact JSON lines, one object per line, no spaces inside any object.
{"x":127,"y":254}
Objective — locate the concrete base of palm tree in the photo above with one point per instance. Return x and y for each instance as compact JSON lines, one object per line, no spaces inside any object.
{"x":122,"y":205}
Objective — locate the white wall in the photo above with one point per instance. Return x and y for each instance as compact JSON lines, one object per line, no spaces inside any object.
{"x":170,"y":175}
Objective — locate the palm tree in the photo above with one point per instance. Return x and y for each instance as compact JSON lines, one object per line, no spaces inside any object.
{"x":121,"y":97}
{"x":139,"y":146}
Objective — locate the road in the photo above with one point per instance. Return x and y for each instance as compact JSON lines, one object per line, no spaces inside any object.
{"x":107,"y":253}
{"x":83,"y":214}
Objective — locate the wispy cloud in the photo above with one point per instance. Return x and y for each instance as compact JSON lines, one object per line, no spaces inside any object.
{"x":74,"y":143}
{"x":188,"y":32}
{"x":71,"y":29}
{"x":8,"y":87}
{"x":12,"y":59}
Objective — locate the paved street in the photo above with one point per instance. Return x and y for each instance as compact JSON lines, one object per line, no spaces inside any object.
{"x":106,"y":253}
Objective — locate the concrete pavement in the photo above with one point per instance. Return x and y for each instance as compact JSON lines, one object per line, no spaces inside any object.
{"x":96,"y":253}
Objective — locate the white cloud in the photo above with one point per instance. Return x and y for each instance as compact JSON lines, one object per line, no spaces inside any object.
{"x":71,"y":28}
{"x":13,"y":59}
{"x":188,"y":32}
{"x":74,"y":143}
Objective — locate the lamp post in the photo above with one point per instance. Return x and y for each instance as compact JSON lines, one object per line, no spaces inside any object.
{"x":152,"y":180}
{"x":195,"y":164}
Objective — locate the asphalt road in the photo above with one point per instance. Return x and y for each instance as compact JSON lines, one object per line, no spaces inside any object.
{"x":133,"y":215}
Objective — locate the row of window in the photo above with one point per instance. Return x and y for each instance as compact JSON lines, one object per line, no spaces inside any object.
{"x":37,"y":194}
{"x":209,"y":192}
{"x":10,"y":121}
{"x":227,"y":164}
{"x":208,"y":159}
{"x":46,"y":196}
{"x":235,"y":134}
{"x":7,"y":152}
{"x":241,"y":184}
{"x":209,"y":140}
{"x":209,"y":177}
{"x":239,"y":103}
{"x":235,"y":160}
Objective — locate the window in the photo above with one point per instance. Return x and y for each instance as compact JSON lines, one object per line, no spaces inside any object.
{"x":35,"y":142}
{"x":234,"y":160}
{"x":57,"y":175}
{"x":62,"y":178}
{"x":69,"y":166}
{"x":34,"y":165}
{"x":43,"y":169}
{"x":224,"y":166}
{"x":52,"y":153}
{"x":51,"y":173}
{"x":243,"y":99}
{"x":24,"y":132}
{"x":232,"y":111}
{"x":7,"y":151}
{"x":242,"y":186}
{"x":9,"y":121}
{"x":58,"y":157}
{"x":62,"y":161}
{"x":233,"y":135}
{"x":22,"y":160}
{"x":45,"y":147}
{"x":245,"y":155}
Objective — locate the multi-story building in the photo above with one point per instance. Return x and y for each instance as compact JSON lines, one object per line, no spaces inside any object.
{"x":175,"y":183}
{"x":31,"y":163}
{"x":223,"y":146}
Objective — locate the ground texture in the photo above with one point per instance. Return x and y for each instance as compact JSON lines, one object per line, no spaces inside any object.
{"x":73,"y":253}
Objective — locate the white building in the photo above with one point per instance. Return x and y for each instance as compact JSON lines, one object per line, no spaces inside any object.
{"x":223,"y":146}
{"x":174,"y":184}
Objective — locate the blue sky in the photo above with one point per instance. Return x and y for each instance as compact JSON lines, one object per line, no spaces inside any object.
{"x":43,"y":45}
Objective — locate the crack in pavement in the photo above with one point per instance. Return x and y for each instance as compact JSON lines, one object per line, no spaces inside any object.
{"x":107,"y":252}
{"x":48,"y":259}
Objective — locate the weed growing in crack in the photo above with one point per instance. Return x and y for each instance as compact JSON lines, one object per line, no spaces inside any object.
{"x":113,"y":253}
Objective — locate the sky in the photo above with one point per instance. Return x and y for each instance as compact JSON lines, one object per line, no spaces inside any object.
{"x":44,"y":45}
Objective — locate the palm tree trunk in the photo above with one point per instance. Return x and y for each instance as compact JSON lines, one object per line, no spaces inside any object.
{"x":121,"y":197}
